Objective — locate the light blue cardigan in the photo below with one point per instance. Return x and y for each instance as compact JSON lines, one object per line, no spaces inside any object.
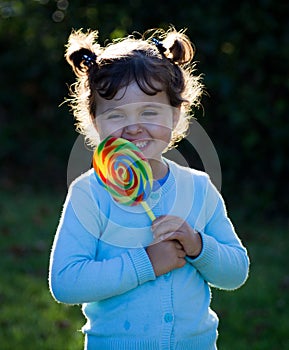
{"x":99,"y":260}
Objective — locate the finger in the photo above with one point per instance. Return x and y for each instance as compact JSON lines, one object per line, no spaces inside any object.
{"x":162,"y":238}
{"x":178,"y":245}
{"x":167,"y":236}
{"x":182,"y":254}
{"x":161,"y":220}
{"x":172,"y":236}
{"x":166,"y":227}
{"x":158,"y":219}
{"x":182,"y":262}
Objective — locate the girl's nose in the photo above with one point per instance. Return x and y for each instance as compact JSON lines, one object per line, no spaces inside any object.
{"x":133,"y":128}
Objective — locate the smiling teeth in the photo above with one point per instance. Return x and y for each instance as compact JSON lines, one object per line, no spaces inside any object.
{"x":141,"y":144}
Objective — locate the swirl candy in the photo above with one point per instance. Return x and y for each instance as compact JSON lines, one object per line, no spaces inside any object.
{"x":122,"y":170}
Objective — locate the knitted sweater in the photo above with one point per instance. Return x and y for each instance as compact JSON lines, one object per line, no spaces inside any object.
{"x":99,"y":260}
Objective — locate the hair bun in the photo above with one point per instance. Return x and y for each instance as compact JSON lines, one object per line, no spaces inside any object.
{"x":82,"y":51}
{"x":82,"y":60}
{"x":179,"y":47}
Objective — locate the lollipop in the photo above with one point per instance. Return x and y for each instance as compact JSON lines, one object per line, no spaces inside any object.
{"x":122,"y":170}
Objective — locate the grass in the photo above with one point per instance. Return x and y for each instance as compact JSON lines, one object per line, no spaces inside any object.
{"x":253,"y":317}
{"x":29,"y":318}
{"x":256,"y":316}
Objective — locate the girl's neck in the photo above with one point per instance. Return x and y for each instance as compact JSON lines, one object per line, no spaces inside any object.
{"x":159,"y":168}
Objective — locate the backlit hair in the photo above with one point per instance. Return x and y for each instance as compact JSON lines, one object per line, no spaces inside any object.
{"x":166,"y":67}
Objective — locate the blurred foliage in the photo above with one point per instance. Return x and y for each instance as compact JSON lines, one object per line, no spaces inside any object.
{"x":242,"y":49}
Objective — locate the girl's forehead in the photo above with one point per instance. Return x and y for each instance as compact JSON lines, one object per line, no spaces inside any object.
{"x":129,"y":95}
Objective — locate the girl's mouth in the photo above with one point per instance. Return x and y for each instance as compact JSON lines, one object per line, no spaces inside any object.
{"x":141,"y":144}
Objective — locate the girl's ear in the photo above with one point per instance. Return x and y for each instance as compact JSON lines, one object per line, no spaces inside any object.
{"x":176,"y":116}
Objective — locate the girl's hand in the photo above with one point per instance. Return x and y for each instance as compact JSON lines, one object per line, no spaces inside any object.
{"x":166,"y":256}
{"x":168,"y":228}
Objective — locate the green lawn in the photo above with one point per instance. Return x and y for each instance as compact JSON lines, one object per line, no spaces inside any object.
{"x":253,"y":317}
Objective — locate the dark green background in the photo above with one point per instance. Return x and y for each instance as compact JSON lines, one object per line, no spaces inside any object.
{"x":242,"y":49}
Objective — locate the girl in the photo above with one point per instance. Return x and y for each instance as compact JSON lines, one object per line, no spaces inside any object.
{"x":143,"y":285}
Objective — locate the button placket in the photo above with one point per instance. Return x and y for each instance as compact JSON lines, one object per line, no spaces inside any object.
{"x":167,"y":312}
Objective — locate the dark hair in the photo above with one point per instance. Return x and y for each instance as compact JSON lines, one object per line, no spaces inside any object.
{"x":153,"y":64}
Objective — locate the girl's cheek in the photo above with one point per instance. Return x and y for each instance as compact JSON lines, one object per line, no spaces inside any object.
{"x":166,"y":123}
{"x":106,"y":129}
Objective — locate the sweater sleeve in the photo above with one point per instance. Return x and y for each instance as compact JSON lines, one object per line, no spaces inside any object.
{"x":223,"y":262}
{"x":77,"y":276}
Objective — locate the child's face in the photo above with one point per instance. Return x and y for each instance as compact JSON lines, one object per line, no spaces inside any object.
{"x":145,"y":120}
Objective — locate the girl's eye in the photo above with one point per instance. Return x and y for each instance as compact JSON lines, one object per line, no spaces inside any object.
{"x":149,"y":113}
{"x":115,"y":116}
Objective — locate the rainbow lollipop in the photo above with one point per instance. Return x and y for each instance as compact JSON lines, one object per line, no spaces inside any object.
{"x":124,"y":172}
